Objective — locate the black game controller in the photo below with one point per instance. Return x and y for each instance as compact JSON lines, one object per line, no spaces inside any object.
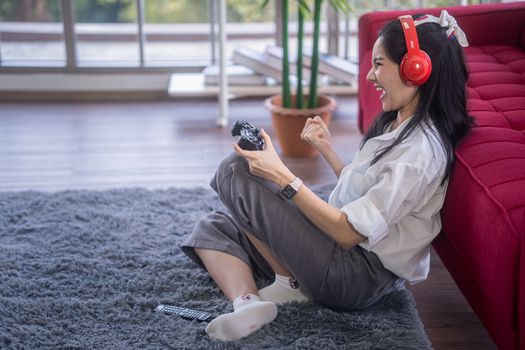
{"x":250,"y":139}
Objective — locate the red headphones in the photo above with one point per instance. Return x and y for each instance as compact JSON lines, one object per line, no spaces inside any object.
{"x":416,"y":66}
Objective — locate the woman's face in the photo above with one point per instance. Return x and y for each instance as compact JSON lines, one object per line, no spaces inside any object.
{"x":395,"y":93}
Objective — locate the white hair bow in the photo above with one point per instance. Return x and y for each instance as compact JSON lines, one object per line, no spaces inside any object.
{"x":445,"y":20}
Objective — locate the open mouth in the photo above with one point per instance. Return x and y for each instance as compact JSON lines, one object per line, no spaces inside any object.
{"x":380,"y":88}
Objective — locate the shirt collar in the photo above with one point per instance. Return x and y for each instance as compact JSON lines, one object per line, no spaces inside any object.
{"x":393,"y":134}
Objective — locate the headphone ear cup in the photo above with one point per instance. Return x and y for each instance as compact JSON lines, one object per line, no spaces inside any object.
{"x":415,"y":69}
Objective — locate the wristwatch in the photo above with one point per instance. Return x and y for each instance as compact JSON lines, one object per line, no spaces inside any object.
{"x":291,"y":189}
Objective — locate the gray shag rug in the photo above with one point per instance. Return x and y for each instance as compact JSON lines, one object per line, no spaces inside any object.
{"x":86,"y":269}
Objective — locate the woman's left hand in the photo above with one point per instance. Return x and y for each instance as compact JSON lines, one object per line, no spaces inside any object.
{"x":266,"y":163}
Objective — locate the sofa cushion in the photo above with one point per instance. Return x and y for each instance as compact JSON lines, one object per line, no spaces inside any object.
{"x":496,"y":88}
{"x":496,"y":159}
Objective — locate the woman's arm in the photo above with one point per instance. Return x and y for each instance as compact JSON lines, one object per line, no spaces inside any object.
{"x":329,"y":219}
{"x":333,"y":160}
{"x":316,"y":133}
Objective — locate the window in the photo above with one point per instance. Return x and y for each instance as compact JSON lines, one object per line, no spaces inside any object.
{"x":106,"y":33}
{"x":177,"y":31}
{"x":249,"y":25}
{"x":31,"y":33}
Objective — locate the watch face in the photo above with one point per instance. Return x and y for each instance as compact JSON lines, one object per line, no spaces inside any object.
{"x":288,"y":192}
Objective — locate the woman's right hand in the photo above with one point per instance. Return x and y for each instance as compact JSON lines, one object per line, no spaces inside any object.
{"x":316,"y":133}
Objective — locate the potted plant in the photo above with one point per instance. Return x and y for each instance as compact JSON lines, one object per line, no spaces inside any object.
{"x":289,"y":112}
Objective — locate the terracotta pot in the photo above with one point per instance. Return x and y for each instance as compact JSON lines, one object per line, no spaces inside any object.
{"x":288,"y":123}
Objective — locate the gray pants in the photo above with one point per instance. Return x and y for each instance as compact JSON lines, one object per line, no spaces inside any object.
{"x":341,"y":279}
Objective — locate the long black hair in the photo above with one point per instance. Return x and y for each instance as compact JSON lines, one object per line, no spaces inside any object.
{"x":442,"y":99}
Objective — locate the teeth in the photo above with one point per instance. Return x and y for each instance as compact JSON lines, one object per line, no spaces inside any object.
{"x":380,"y":88}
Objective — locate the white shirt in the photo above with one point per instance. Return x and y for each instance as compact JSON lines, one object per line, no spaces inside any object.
{"x":395,"y":203}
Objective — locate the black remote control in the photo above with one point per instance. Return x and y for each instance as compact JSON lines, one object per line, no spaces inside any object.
{"x":188,"y":314}
{"x":250,"y":137}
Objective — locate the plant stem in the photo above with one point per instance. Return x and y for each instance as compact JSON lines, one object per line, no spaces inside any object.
{"x":299,"y":61}
{"x":315,"y":55}
{"x":286,"y":96}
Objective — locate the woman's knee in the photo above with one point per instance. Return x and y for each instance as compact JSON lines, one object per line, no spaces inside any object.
{"x":233,"y":163}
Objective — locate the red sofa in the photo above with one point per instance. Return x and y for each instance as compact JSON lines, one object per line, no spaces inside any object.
{"x":482,"y":241}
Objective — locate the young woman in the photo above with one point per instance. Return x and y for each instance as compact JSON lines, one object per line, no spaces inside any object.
{"x":376,"y":228}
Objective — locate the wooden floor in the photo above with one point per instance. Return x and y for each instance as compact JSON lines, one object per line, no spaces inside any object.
{"x":57,"y":146}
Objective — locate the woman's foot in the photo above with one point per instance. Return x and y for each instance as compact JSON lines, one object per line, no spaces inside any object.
{"x":249,"y":315}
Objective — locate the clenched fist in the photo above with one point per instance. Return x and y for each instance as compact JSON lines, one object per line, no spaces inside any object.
{"x":316,"y":133}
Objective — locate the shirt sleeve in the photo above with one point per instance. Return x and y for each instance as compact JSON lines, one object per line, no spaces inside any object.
{"x":400,"y":187}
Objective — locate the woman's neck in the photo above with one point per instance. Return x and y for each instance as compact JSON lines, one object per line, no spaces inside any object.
{"x":406,"y":111}
{"x":399,"y":120}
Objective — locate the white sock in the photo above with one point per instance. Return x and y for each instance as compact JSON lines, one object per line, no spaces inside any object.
{"x":250,"y":314}
{"x":281,"y":291}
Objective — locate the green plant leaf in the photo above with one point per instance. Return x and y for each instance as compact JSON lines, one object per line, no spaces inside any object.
{"x":286,"y":93}
{"x":299,"y":61}
{"x":341,"y":5}
{"x":304,"y":8}
{"x":314,"y":68}
{"x":263,"y":5}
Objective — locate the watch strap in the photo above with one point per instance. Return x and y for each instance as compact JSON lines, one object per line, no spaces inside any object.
{"x":291,"y":189}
